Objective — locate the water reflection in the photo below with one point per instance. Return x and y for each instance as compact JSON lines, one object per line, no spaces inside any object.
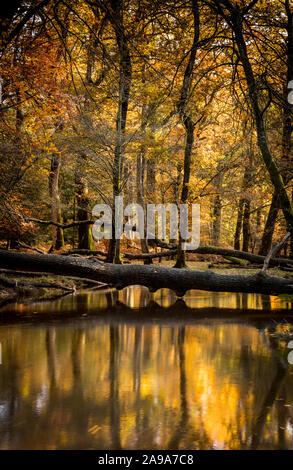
{"x":108,"y":379}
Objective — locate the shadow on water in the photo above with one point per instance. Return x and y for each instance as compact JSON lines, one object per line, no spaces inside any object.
{"x":133,"y":370}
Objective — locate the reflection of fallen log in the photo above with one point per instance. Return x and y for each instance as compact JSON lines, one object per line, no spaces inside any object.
{"x":153,"y":277}
{"x":114,"y":312}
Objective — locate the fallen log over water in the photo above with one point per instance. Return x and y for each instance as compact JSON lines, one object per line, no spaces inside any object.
{"x":153,"y":277}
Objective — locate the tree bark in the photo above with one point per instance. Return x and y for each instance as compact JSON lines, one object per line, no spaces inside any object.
{"x":116,"y":18}
{"x":153,"y":277}
{"x":217,"y":209}
{"x":235,"y":20}
{"x":85,"y":237}
{"x":57,"y":232}
{"x":188,"y":123}
{"x":238,"y":225}
{"x":140,"y":176}
{"x":267,"y":238}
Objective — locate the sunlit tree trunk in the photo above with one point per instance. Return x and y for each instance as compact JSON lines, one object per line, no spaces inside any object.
{"x":57,"y":232}
{"x":267,"y":237}
{"x":116,"y":18}
{"x":232,"y":13}
{"x":85,"y":237}
{"x":217,"y":210}
{"x":238,"y":225}
{"x":140,"y":178}
{"x":188,"y":124}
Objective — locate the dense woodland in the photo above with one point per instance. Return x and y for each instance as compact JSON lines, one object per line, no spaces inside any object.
{"x":158,"y":101}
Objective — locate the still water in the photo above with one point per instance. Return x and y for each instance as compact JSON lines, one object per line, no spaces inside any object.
{"x":130,"y":370}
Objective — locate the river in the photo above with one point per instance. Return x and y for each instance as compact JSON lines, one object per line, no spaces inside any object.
{"x":133,"y":370}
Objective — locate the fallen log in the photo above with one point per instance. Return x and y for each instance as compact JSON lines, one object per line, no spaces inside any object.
{"x":215,"y":250}
{"x":162,"y":254}
{"x":201,"y":250}
{"x":83,"y":252}
{"x":153,"y":277}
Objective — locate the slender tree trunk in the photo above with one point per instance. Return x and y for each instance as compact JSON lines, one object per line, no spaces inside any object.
{"x":267,"y":238}
{"x":286,"y":140}
{"x":57,"y":232}
{"x":236,"y":21}
{"x":188,"y":123}
{"x":140,"y":177}
{"x":150,"y":179}
{"x":238,"y":225}
{"x":217,"y":210}
{"x":288,"y":107}
{"x":116,"y":18}
{"x":85,"y":237}
{"x":246,"y":225}
{"x":243,"y":216}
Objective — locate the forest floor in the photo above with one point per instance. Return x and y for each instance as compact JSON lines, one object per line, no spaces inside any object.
{"x":27,"y":288}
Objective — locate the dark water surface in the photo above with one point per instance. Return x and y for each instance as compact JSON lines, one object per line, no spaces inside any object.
{"x":108,"y":370}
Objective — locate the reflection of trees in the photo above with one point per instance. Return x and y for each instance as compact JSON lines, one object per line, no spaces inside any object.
{"x":184,"y":414}
{"x":137,"y":376}
{"x":151,"y":384}
{"x":51,"y":356}
{"x":114,"y":387}
{"x":272,"y":394}
{"x":137,"y":360}
{"x":282,"y":418}
{"x":77,"y":354}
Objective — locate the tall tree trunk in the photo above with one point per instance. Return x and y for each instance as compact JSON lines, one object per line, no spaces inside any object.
{"x":238,"y":228}
{"x":150,"y":179}
{"x":57,"y":232}
{"x":140,"y":177}
{"x":286,"y":140}
{"x":243,"y":216}
{"x":217,"y":209}
{"x":116,"y":18}
{"x":246,"y":225}
{"x":267,"y":238}
{"x":235,"y":19}
{"x":288,"y":107}
{"x":188,"y":123}
{"x":85,"y":237}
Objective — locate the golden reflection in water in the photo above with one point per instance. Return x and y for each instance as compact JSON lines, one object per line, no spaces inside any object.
{"x":102,"y":383}
{"x":197,"y":387}
{"x":137,"y":297}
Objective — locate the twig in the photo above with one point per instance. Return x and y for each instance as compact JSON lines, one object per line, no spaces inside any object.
{"x":24,"y":245}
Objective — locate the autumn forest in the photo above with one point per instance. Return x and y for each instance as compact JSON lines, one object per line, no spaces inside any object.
{"x":137,"y":342}
{"x":160,"y":102}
